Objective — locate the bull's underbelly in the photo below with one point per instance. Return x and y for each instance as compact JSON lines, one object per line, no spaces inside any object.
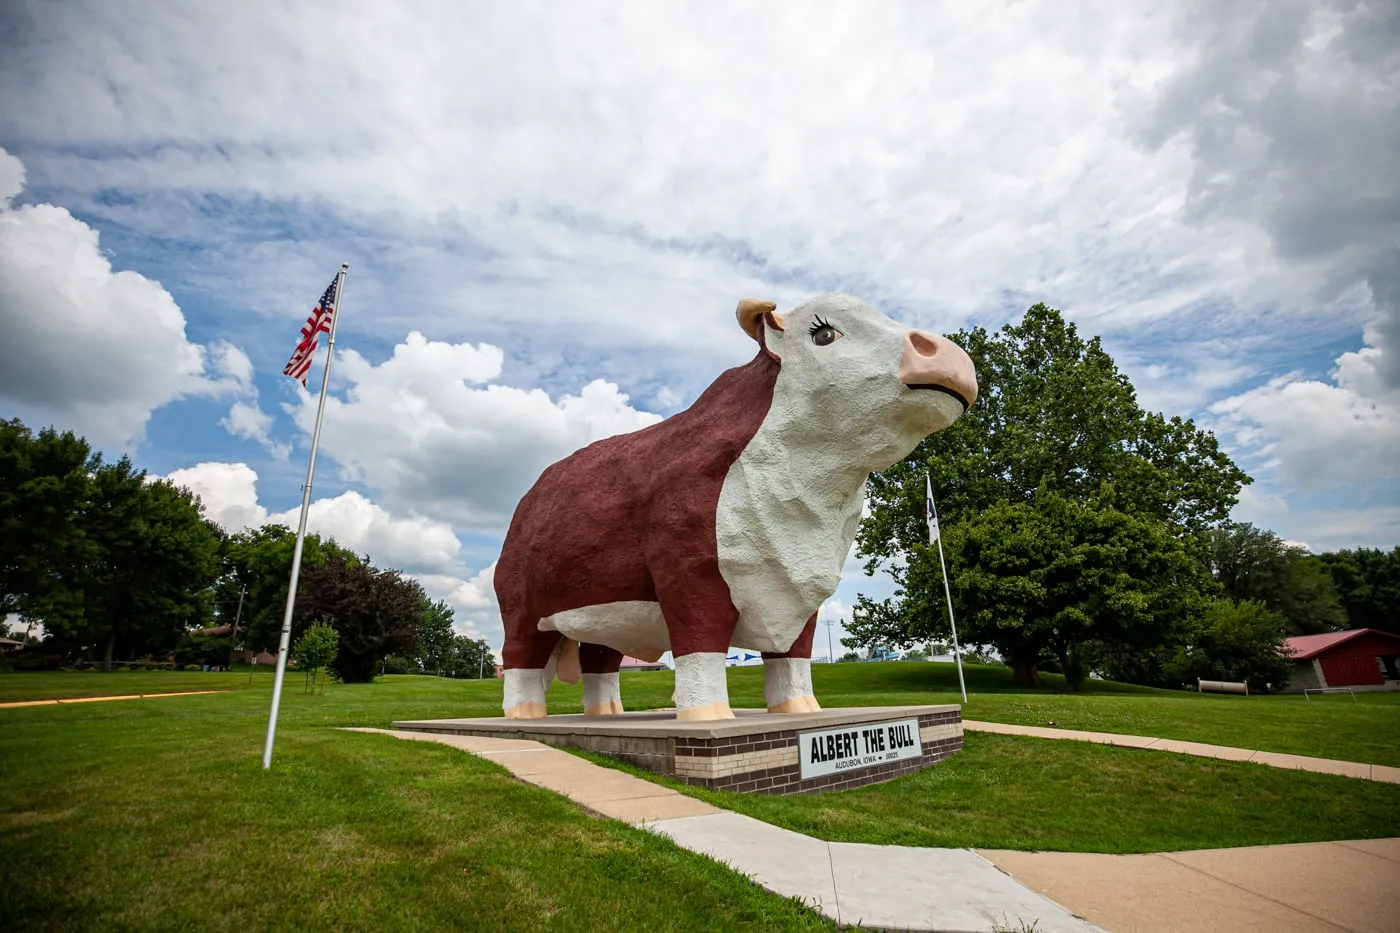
{"x":626,"y":625}
{"x":633,"y":626}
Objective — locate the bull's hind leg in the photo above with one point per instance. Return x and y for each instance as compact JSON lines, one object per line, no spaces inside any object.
{"x":787,"y":676}
{"x":529,"y":663}
{"x":602,"y":696}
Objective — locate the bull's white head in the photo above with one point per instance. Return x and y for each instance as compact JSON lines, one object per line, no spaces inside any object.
{"x":857,"y":381}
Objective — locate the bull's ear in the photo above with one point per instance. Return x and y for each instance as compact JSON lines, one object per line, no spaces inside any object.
{"x":751,"y":310}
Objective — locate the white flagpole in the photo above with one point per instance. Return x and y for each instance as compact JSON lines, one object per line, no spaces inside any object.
{"x":957,"y":654}
{"x":301,"y":525}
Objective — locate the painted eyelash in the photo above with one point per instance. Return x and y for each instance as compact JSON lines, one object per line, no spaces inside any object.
{"x":818,"y":324}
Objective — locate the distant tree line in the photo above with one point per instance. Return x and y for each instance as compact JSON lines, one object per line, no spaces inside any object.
{"x":1086,"y":535}
{"x":118,"y":566}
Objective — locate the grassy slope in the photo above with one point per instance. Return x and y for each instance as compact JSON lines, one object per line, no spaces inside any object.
{"x":156,"y":814}
{"x":1325,"y":727}
{"x":1004,"y":792}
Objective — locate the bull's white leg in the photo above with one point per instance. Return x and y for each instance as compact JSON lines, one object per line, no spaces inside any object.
{"x":702,"y":692}
{"x":602,"y":695}
{"x":524,"y":692}
{"x":787,"y":685}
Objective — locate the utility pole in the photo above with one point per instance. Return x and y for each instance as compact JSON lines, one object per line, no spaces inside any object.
{"x":233,"y":636}
{"x":830,"y":653}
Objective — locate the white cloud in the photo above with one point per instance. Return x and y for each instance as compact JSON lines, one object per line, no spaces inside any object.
{"x":247,"y":420}
{"x":87,"y":347}
{"x":425,"y":549}
{"x":430,"y":429}
{"x":1315,"y":435}
{"x":624,"y":167}
{"x":228,"y":491}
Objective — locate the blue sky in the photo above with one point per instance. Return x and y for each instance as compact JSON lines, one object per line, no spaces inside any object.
{"x":550,"y":213}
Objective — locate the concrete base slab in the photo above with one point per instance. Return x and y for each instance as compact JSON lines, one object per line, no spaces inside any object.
{"x":756,"y":751}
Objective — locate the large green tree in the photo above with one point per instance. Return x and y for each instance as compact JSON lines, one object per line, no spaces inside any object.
{"x":376,"y":612}
{"x":1235,"y":641}
{"x":146,"y":570}
{"x":256,"y":566}
{"x":44,"y":485}
{"x":1256,"y":564}
{"x":435,"y":637}
{"x":1053,"y":577}
{"x":1053,"y":410}
{"x":1368,"y":584}
{"x":1055,"y":420}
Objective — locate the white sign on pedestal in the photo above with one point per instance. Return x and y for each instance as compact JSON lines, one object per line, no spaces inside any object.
{"x":861,"y":745}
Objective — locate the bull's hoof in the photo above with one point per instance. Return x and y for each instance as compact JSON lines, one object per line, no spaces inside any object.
{"x":527,"y":711}
{"x":610,"y":708}
{"x":716,"y":710}
{"x":797,"y":705}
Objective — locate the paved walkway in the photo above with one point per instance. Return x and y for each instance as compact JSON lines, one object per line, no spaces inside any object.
{"x":1346,"y":886}
{"x":1354,"y":769}
{"x":882,"y":887}
{"x":128,"y":696}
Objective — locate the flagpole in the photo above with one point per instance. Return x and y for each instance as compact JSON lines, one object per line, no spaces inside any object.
{"x":948,"y":593}
{"x":957,"y":654}
{"x":301,"y":526}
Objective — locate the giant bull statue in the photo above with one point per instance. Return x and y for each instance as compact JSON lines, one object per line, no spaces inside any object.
{"x":728,"y":523}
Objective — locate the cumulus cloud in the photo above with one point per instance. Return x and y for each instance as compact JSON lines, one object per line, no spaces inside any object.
{"x":430,"y":429}
{"x":1315,"y":434}
{"x":87,"y":347}
{"x":425,"y":549}
{"x":1291,"y":114}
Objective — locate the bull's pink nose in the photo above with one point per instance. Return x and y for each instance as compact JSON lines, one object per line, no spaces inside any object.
{"x":933,"y":362}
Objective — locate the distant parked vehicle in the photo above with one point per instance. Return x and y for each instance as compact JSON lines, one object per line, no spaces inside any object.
{"x":883,"y":654}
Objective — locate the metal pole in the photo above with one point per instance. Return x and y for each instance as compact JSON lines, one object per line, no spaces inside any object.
{"x":830,"y":653}
{"x":233,"y":637}
{"x":957,"y":655}
{"x":480,"y":664}
{"x":301,"y":526}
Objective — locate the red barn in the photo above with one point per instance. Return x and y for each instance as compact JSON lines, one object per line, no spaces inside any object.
{"x":1362,"y":657}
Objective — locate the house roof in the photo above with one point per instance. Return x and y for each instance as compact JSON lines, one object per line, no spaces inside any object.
{"x":1303,"y":647}
{"x":629,"y":661}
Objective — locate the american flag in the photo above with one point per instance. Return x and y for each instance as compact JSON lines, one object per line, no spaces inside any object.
{"x":319,"y":322}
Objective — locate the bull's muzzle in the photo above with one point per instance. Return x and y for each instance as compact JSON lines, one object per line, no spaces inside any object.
{"x":933,"y":362}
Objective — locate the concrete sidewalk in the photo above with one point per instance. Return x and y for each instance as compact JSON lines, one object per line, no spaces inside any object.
{"x":1322,"y":887}
{"x":1344,"y":886}
{"x":1352,"y":769}
{"x":881,"y":887}
{"x":130,"y":696}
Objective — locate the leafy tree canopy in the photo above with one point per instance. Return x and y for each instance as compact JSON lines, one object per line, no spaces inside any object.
{"x":376,"y":612}
{"x":1053,"y":411}
{"x":1367,"y":581}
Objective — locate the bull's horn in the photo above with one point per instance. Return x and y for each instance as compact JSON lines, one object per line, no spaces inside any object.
{"x":751,"y":309}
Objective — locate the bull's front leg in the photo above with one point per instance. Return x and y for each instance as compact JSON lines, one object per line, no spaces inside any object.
{"x":787,"y":676}
{"x":700,"y":621}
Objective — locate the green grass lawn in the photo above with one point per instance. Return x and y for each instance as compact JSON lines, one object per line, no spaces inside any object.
{"x":1009,"y":792}
{"x":156,"y":814}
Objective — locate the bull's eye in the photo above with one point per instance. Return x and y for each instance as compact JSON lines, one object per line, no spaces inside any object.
{"x":823,"y":334}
